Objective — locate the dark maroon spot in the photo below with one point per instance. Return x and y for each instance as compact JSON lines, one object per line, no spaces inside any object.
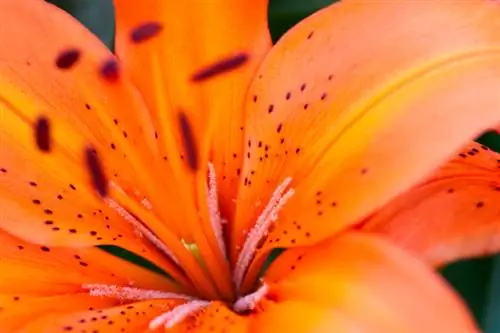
{"x":480,"y":204}
{"x":280,"y":126}
{"x":270,"y":109}
{"x":188,"y":141}
{"x":145,"y":31}
{"x":45,"y":249}
{"x":67,"y":58}
{"x":110,"y":70}
{"x":99,"y":180}
{"x":310,"y":35}
{"x":225,"y":65}
{"x":42,"y":134}
{"x":36,"y":201}
{"x":288,"y":95}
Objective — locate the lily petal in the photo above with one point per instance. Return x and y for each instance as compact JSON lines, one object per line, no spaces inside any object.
{"x":55,"y":121}
{"x":454,"y":214}
{"x":36,"y":280}
{"x":194,"y":36}
{"x":357,"y":282}
{"x":29,"y":269}
{"x":133,"y":317}
{"x":195,"y":117}
{"x":216,"y":317}
{"x":356,"y":115}
{"x":15,"y":317}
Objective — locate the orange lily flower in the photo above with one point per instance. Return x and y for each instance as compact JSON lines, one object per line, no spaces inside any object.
{"x":201,"y":148}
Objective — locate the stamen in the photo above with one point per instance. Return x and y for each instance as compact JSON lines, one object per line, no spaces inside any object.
{"x":67,"y":58}
{"x":146,"y":203}
{"x":99,"y":179}
{"x":189,"y":142}
{"x":110,"y":70}
{"x":249,"y":302}
{"x":129,"y":293}
{"x":268,"y":216}
{"x":171,"y":318}
{"x":213,"y":208}
{"x":140,"y":228}
{"x":145,"y":32}
{"x":221,"y":67}
{"x":42,"y":134}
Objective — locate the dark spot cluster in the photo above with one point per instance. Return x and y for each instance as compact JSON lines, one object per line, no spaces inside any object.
{"x":100,"y":321}
{"x":51,"y":218}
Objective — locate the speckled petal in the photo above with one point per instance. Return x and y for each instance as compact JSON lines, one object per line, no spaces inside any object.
{"x":454,"y":214}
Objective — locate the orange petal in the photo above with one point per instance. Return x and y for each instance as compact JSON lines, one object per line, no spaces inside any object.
{"x":27,"y":269}
{"x":355,"y":118}
{"x":214,"y":318}
{"x":48,"y":196}
{"x":454,"y":214}
{"x":193,"y":36}
{"x":194,"y":119}
{"x":133,"y":317}
{"x":25,"y":310}
{"x":357,"y":283}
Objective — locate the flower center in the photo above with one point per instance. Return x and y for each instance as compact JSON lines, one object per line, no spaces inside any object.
{"x":192,"y":304}
{"x":178,"y":313}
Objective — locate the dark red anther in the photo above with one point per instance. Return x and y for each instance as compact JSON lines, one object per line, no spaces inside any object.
{"x":188,"y":141}
{"x":42,"y":134}
{"x":110,"y":69}
{"x":145,"y":32}
{"x":97,"y":175}
{"x":67,"y":58}
{"x":221,"y":67}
